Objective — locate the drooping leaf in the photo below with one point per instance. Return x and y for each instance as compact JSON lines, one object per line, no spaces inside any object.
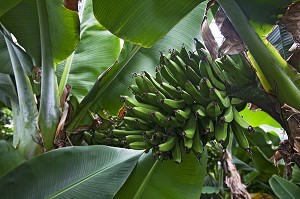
{"x":5,"y":64}
{"x":10,"y":157}
{"x":283,"y":188}
{"x":96,"y":51}
{"x":76,"y":172}
{"x":23,"y":22}
{"x":146,"y":22}
{"x":155,"y":179}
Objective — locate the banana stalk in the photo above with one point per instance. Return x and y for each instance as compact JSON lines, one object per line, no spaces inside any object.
{"x":271,"y":68}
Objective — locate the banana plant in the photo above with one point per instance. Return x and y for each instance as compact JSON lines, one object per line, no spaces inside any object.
{"x":49,"y":49}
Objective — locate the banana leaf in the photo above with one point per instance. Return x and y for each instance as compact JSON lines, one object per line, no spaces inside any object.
{"x":156,"y":179}
{"x":283,"y":188}
{"x":142,"y":22}
{"x":23,"y":22}
{"x":72,"y":172}
{"x":10,"y":158}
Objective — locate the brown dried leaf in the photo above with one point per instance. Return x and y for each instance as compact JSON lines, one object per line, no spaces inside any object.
{"x":208,"y":39}
{"x":291,"y":21}
{"x":232,"y":43}
{"x":233,"y":179}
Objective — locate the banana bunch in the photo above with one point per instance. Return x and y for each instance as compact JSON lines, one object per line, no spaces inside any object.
{"x":184,"y":106}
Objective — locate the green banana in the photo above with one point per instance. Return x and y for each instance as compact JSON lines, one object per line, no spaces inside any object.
{"x":197,"y":147}
{"x":188,"y":142}
{"x":159,"y":96}
{"x":227,"y":116}
{"x":134,"y":103}
{"x":179,"y":61}
{"x":158,"y":77}
{"x":195,"y":94}
{"x":215,"y":82}
{"x":183,"y":115}
{"x":205,"y":86}
{"x":184,"y":55}
{"x":186,"y":97}
{"x":167,"y":75}
{"x":174,"y":92}
{"x":148,"y":83}
{"x":208,"y":125}
{"x":240,"y":121}
{"x":217,"y":70}
{"x":140,"y":112}
{"x":174,"y":123}
{"x":215,"y":95}
{"x":168,"y":144}
{"x":213,"y":110}
{"x":176,"y":72}
{"x":157,"y":85}
{"x":240,"y":136}
{"x":194,"y":57}
{"x":160,"y":118}
{"x":136,"y":123}
{"x":176,"y":152}
{"x":202,"y":68}
{"x":192,"y":75}
{"x":134,"y":138}
{"x":170,"y":104}
{"x":221,"y":132}
{"x":122,"y":132}
{"x":140,"y":145}
{"x":139,"y":80}
{"x":136,"y":90}
{"x":190,"y":126}
{"x":149,"y":98}
{"x":199,"y":111}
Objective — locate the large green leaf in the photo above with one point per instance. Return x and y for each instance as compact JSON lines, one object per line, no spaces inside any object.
{"x":5,"y":64}
{"x":10,"y":157}
{"x":283,"y":188}
{"x":142,"y":22}
{"x":72,"y":172}
{"x":7,"y":90}
{"x":156,"y":179}
{"x":96,"y":51}
{"x":23,"y":22}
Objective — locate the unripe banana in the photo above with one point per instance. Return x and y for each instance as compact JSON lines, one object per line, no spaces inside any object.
{"x":174,"y":92}
{"x":192,"y":75}
{"x":177,"y":72}
{"x":157,"y":84}
{"x":227,"y":116}
{"x":174,"y":122}
{"x":205,"y":86}
{"x":149,"y":98}
{"x":140,"y":112}
{"x":167,"y":75}
{"x":221,"y":131}
{"x":122,"y":132}
{"x":180,"y":62}
{"x":183,"y":115}
{"x":136,"y":90}
{"x":168,"y":144}
{"x":215,"y":82}
{"x":194,"y":57}
{"x":130,"y":102}
{"x":197,"y":145}
{"x":170,"y":104}
{"x":240,"y":136}
{"x":158,"y":77}
{"x":207,"y":125}
{"x":136,"y":123}
{"x":213,"y":110}
{"x":202,"y":68}
{"x":199,"y":111}
{"x":189,"y":128}
{"x":240,"y":121}
{"x":134,"y":138}
{"x":184,"y":55}
{"x":186,"y":97}
{"x":140,"y":82}
{"x":215,"y":95}
{"x":188,"y":142}
{"x":195,"y":94}
{"x":160,"y":118}
{"x":176,"y":152}
{"x":140,"y":145}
